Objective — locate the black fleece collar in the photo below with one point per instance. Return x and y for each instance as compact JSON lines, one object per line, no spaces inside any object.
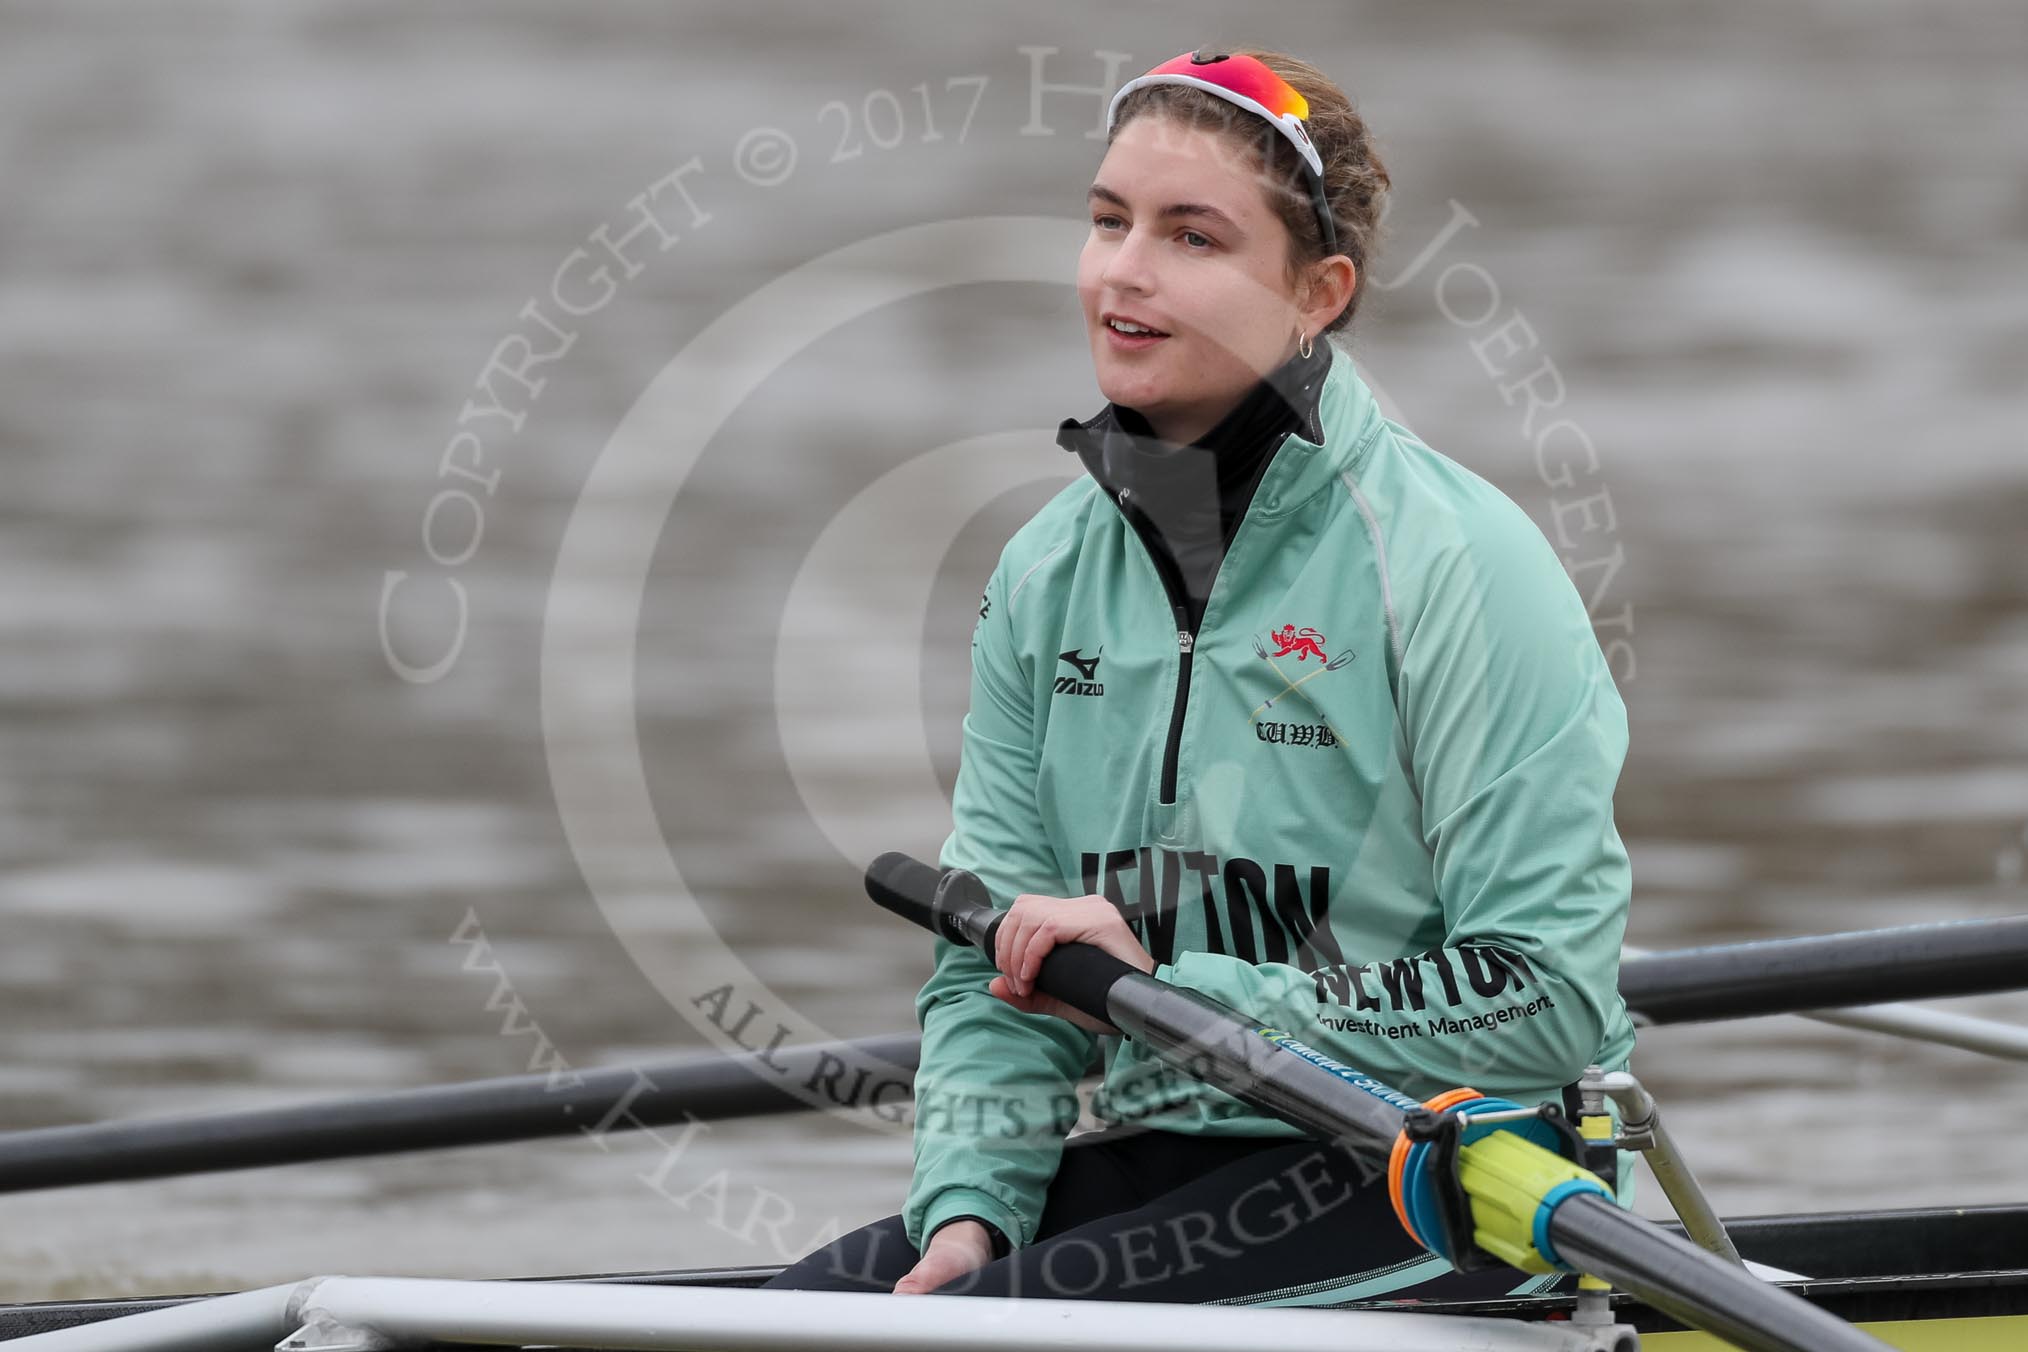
{"x":1187,"y":502}
{"x":1293,"y":390}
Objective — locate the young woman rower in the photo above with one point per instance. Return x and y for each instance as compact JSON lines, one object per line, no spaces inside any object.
{"x":1279,"y":704}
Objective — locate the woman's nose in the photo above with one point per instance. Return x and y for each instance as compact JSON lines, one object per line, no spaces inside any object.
{"x":1127,"y":269}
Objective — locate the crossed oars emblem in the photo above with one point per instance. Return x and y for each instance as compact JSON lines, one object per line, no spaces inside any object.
{"x":1290,"y":686}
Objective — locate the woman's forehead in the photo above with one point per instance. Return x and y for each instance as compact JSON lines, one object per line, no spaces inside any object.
{"x":1158,"y":158}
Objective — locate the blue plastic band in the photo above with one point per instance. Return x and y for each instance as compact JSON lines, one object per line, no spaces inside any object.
{"x":1420,"y":1197}
{"x":1554,"y":1198}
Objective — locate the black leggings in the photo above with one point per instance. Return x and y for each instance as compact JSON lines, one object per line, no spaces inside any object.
{"x":1156,"y":1215}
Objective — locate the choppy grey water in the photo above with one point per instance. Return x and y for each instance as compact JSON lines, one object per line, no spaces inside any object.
{"x":254,"y":258}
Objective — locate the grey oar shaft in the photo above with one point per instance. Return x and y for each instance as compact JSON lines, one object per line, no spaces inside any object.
{"x":1833,"y":971}
{"x":1691,"y":1285}
{"x":516,"y":1108}
{"x":1211,"y":1042}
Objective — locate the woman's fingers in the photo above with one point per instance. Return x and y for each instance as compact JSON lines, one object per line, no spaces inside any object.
{"x":1029,"y":1002}
{"x":937,"y":1267}
{"x":1028,"y":924}
{"x":1008,"y":944}
{"x":1041,"y":939}
{"x":1003,"y":938}
{"x":1035,"y":925}
{"x":1003,"y":989}
{"x":1034,"y":937}
{"x":953,"y":1251}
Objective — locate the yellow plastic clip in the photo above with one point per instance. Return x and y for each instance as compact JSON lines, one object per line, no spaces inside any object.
{"x":1507,"y":1179}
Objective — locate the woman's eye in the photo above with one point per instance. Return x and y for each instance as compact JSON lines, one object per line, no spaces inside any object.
{"x":1194,"y":239}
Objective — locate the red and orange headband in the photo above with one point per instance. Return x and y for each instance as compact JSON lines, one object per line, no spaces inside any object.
{"x":1249,"y":83}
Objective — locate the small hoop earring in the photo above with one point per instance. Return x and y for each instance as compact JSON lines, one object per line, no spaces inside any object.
{"x":1304,"y":347}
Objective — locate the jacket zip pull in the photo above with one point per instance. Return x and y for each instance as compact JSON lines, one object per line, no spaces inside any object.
{"x":1186,"y":642}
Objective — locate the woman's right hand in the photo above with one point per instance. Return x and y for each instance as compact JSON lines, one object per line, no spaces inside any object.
{"x":1035,"y":925}
{"x":954,"y":1250}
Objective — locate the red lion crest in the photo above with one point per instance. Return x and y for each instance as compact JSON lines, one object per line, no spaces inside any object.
{"x":1304,"y":643}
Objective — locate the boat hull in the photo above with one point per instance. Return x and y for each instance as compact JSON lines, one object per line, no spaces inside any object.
{"x":1923,"y":1280}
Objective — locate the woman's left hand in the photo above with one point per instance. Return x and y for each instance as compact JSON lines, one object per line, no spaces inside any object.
{"x":1036,"y":924}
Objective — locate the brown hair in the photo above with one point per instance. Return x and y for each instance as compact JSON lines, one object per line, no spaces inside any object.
{"x":1355,"y":181}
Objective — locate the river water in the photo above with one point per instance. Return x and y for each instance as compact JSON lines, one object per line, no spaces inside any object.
{"x":254,"y":261}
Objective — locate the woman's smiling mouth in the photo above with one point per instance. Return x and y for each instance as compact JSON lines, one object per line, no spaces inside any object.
{"x":1131,"y":335}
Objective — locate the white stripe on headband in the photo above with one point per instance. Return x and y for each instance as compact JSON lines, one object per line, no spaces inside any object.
{"x":1288,"y":124}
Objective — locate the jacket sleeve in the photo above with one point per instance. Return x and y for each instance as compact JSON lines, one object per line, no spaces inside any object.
{"x":996,"y":1089}
{"x":1515,"y":736}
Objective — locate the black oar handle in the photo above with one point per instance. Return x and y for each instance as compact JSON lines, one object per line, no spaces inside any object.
{"x":904,"y":886}
{"x":954,"y":904}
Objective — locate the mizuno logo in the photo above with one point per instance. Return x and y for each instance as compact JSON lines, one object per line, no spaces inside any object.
{"x":1087,"y":667}
{"x":1086,"y":681}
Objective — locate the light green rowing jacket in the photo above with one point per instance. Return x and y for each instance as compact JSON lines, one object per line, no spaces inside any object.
{"x":1393,"y":743}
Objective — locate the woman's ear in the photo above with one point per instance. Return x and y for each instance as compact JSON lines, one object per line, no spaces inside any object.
{"x":1329,"y":290}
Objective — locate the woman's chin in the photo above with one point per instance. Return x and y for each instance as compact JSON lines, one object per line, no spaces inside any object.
{"x":1129,"y":389}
